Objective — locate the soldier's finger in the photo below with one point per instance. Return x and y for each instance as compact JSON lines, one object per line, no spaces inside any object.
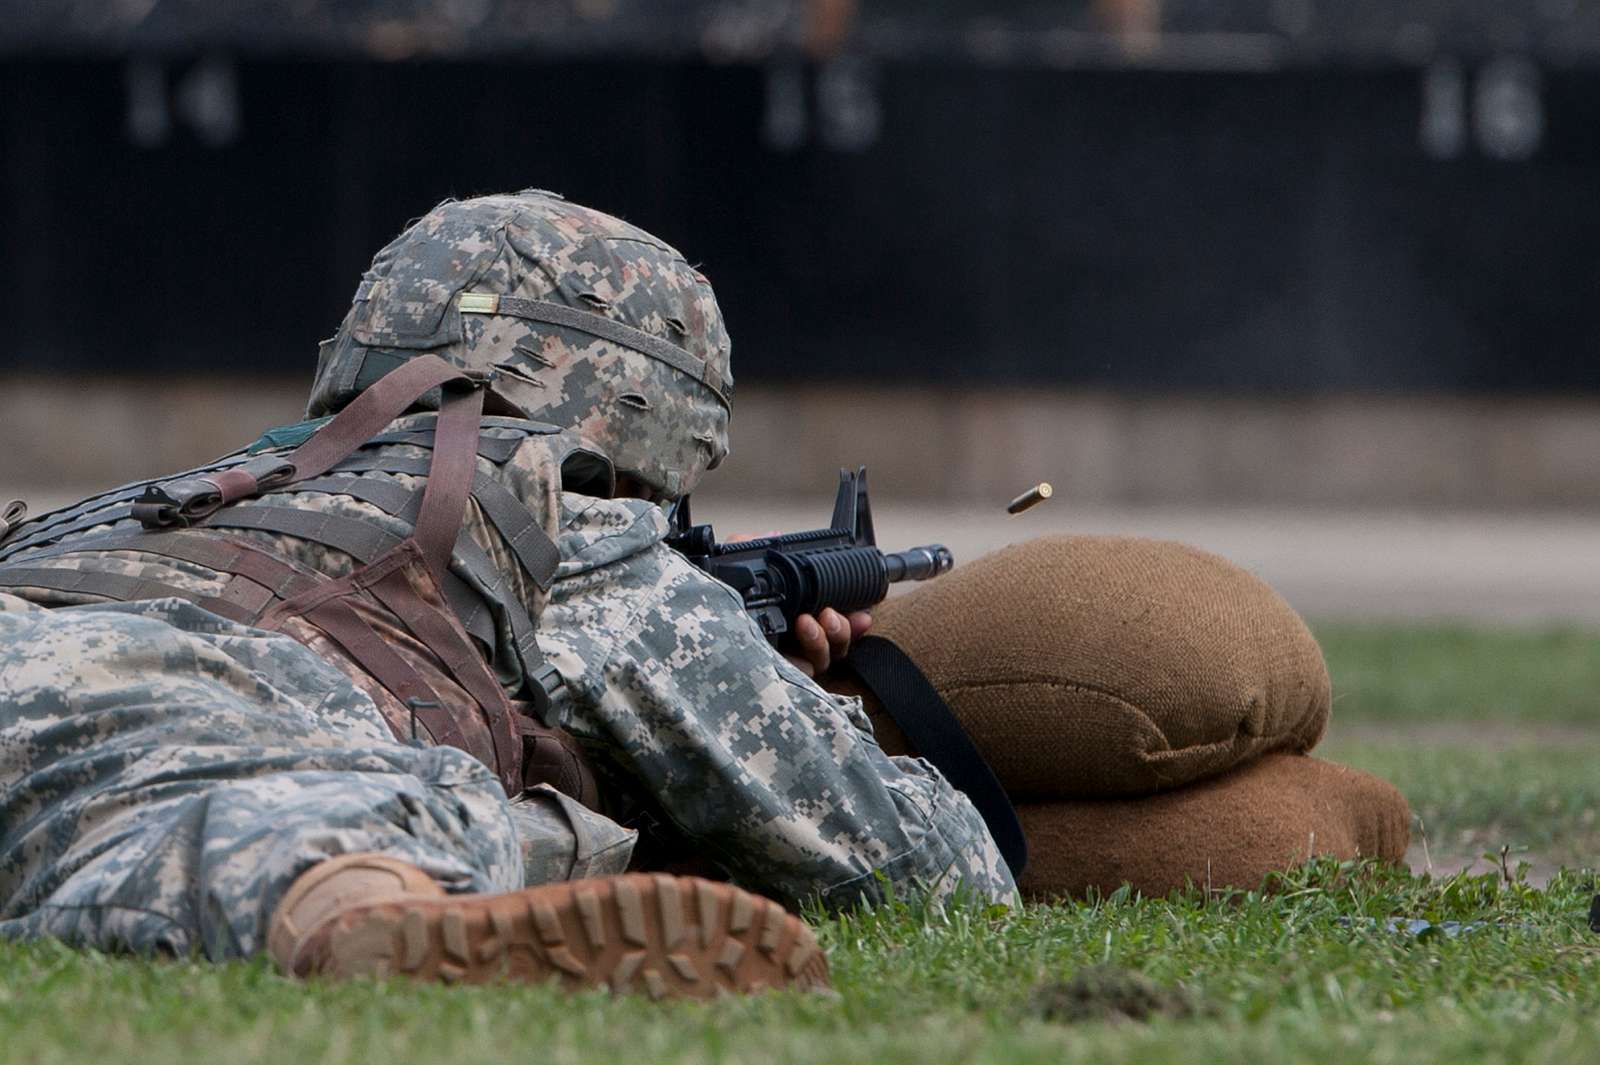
{"x":813,"y":642}
{"x":860,"y":624}
{"x":838,"y":630}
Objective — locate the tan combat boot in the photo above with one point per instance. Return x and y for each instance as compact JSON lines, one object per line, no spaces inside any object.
{"x":367,"y":914}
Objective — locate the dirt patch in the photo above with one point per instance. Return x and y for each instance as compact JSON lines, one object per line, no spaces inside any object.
{"x":1103,"y":993}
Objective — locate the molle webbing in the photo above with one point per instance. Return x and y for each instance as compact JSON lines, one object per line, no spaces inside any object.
{"x":42,"y":528}
{"x":340,"y":623}
{"x":366,"y":542}
{"x":224,"y":555}
{"x":256,"y":580}
{"x":237,"y":603}
{"x":361,"y":541}
{"x":496,"y":449}
{"x":404,"y":504}
{"x":103,"y":509}
{"x":511,"y":519}
{"x":401,"y":577}
{"x":398,"y":579}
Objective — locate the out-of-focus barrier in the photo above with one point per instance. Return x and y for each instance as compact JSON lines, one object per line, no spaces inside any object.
{"x":1258,"y":197}
{"x":984,"y":445}
{"x":970,"y":445}
{"x":1174,"y":34}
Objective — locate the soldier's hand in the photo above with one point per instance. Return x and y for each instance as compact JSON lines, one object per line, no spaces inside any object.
{"x":825,"y":637}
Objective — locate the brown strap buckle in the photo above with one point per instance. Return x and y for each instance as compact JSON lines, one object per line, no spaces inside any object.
{"x":190,"y":499}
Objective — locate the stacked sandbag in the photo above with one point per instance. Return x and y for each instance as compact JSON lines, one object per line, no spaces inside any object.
{"x":1097,"y":668}
{"x":1093,"y":666}
{"x":1227,"y":832}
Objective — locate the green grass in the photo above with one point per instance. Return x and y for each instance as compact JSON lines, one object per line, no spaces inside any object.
{"x":1410,"y":673}
{"x":1542,"y":801}
{"x":1489,"y":733}
{"x":1294,"y":977}
{"x":1493,"y":734}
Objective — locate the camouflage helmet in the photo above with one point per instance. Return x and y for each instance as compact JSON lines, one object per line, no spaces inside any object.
{"x":583,"y":320}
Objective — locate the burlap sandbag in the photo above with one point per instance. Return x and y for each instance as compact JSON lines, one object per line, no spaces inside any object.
{"x":1227,"y":833}
{"x":1100,"y":666}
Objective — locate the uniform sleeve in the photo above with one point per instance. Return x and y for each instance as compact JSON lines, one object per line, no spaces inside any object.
{"x":778,"y":781}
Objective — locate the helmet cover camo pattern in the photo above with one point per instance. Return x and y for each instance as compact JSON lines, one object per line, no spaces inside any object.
{"x":655,"y":421}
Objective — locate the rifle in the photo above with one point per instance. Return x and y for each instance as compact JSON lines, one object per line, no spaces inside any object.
{"x":782,"y":577}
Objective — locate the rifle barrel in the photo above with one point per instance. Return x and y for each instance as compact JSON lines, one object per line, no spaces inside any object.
{"x":918,"y":563}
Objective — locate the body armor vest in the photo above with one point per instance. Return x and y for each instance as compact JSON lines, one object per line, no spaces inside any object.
{"x":403,"y":624}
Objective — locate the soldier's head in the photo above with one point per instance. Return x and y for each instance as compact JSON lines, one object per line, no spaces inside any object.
{"x":584,"y":321}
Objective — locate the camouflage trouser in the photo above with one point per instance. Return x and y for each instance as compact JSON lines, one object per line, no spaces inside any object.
{"x":166,"y":774}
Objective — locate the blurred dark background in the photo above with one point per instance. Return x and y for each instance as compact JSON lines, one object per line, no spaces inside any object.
{"x":1255,"y":196}
{"x":1161,"y":253}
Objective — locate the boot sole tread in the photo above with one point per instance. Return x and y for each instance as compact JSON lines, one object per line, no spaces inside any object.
{"x":661,"y":935}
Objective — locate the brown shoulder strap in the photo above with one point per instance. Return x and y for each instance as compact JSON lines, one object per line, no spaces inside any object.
{"x":370,"y":412}
{"x":190,"y":499}
{"x":455,"y":464}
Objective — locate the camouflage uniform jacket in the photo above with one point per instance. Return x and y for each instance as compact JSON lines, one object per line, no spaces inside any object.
{"x":776,"y":780}
{"x":522,"y":465}
{"x":674,"y":691}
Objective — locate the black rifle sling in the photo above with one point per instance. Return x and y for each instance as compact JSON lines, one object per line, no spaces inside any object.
{"x":934,"y":732}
